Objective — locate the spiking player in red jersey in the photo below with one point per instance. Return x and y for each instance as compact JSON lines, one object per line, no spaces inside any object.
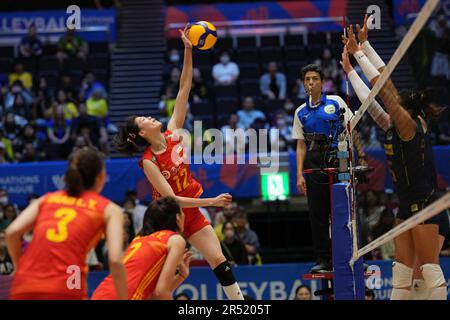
{"x":66,"y":225}
{"x":164,"y":167}
{"x":152,"y":258}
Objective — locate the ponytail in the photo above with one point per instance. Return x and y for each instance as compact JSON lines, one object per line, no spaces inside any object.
{"x":84,"y":166}
{"x":74,"y":180}
{"x":128,"y":140}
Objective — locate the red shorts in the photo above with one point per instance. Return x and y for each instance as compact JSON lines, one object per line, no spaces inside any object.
{"x":193,"y":221}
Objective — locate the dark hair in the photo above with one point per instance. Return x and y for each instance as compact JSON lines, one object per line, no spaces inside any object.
{"x":161,"y":214}
{"x":225,"y":224}
{"x":84,"y":166}
{"x":421,"y":102}
{"x":241,"y":214}
{"x":301,"y":287}
{"x":314,"y":68}
{"x":128,"y":140}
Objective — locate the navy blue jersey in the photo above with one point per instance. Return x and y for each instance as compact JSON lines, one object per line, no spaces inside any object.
{"x":411,"y":164}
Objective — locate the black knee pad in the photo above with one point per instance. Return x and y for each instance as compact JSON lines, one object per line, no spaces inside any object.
{"x":224,"y":273}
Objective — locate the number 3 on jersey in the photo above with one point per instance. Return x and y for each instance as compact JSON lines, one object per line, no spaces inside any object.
{"x":64,"y":216}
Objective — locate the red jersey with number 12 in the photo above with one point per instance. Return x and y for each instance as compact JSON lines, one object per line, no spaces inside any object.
{"x":173,"y":166}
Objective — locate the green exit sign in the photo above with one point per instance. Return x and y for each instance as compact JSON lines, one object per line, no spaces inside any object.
{"x":275,"y":186}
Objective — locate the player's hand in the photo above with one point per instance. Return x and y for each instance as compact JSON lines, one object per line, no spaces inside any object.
{"x":222,"y":200}
{"x":363,"y":33}
{"x":350,"y":41}
{"x":183,"y":267}
{"x":345,"y":62}
{"x":301,"y":184}
{"x":185,"y":37}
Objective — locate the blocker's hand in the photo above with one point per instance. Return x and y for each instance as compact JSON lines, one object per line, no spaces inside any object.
{"x":345,"y":62}
{"x":185,"y":36}
{"x":363,"y":33}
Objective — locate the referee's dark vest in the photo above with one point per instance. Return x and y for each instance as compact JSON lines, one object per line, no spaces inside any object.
{"x":323,"y":119}
{"x":411,"y":164}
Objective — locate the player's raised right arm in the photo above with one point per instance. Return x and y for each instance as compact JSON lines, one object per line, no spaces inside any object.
{"x":158,"y":181}
{"x":114,"y":238}
{"x":24,"y":223}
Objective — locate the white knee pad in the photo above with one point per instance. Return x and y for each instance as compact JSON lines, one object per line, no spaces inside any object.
{"x":432,"y":274}
{"x":401,"y":275}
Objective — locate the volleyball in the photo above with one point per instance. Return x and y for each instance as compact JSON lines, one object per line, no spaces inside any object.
{"x":203,"y":35}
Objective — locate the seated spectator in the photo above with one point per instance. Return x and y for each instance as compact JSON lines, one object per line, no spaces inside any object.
{"x":30,"y":154}
{"x":303,"y":292}
{"x":225,"y":72}
{"x":17,"y":88}
{"x":329,"y":86}
{"x":66,"y":84}
{"x":167,"y":104}
{"x":71,"y":46}
{"x":232,"y":247}
{"x":199,"y":89}
{"x":369,"y":137}
{"x":97,"y":105}
{"x":91,"y":128}
{"x":135,"y":209}
{"x":58,"y":131}
{"x":284,"y":136}
{"x":7,"y":146}
{"x":21,"y":108}
{"x":440,"y":66}
{"x":28,"y":136}
{"x":247,"y":236}
{"x":11,"y":128}
{"x":70,"y":110}
{"x":130,"y":232}
{"x":42,"y":101}
{"x":9,"y":214}
{"x":249,"y":113}
{"x":20,"y":74}
{"x":173,"y":81}
{"x":329,"y":65}
{"x":273,"y":83}
{"x":3,"y":154}
{"x":81,"y":142}
{"x":31,"y":45}
{"x":172,"y":63}
{"x":6,"y":265}
{"x":227,"y":214}
{"x":88,"y":85}
{"x":232,"y":141}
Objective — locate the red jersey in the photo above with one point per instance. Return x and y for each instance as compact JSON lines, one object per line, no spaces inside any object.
{"x":173,"y":167}
{"x":143,"y":261}
{"x":66,"y":229}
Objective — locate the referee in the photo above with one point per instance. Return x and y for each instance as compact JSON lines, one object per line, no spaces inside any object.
{"x":317,"y":125}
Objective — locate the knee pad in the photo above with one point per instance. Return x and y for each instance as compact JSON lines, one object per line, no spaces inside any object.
{"x":401,"y":275}
{"x":224,"y":273}
{"x":432,"y":274}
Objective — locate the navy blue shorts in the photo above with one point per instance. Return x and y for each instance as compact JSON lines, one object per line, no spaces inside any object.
{"x":409,"y":208}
